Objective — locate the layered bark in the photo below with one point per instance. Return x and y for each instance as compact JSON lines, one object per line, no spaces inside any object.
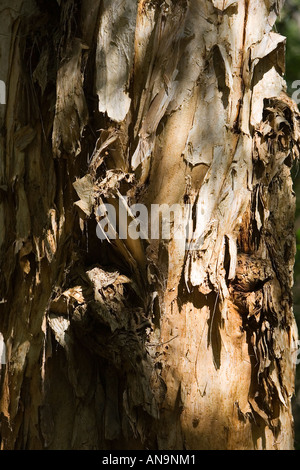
{"x":183,"y":342}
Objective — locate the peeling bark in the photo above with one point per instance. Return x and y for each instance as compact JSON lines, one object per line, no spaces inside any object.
{"x":137,"y":341}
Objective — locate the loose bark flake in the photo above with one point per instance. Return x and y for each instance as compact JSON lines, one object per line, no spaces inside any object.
{"x":114,"y":57}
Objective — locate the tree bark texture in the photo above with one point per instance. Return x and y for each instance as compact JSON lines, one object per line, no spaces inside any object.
{"x":132,"y":343}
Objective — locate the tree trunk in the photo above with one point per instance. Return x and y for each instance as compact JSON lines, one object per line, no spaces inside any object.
{"x":156,"y":340}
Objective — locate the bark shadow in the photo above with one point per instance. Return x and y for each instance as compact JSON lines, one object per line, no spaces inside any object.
{"x":214,"y":320}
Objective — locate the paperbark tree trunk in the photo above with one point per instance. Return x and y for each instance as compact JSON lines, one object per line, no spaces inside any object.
{"x":184,"y":341}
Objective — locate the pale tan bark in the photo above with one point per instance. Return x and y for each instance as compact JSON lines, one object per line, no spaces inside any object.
{"x":146,"y":343}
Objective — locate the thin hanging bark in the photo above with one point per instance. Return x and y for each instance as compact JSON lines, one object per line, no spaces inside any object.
{"x":170,"y":112}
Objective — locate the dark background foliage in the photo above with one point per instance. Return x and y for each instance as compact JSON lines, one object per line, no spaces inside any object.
{"x":289,"y":26}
